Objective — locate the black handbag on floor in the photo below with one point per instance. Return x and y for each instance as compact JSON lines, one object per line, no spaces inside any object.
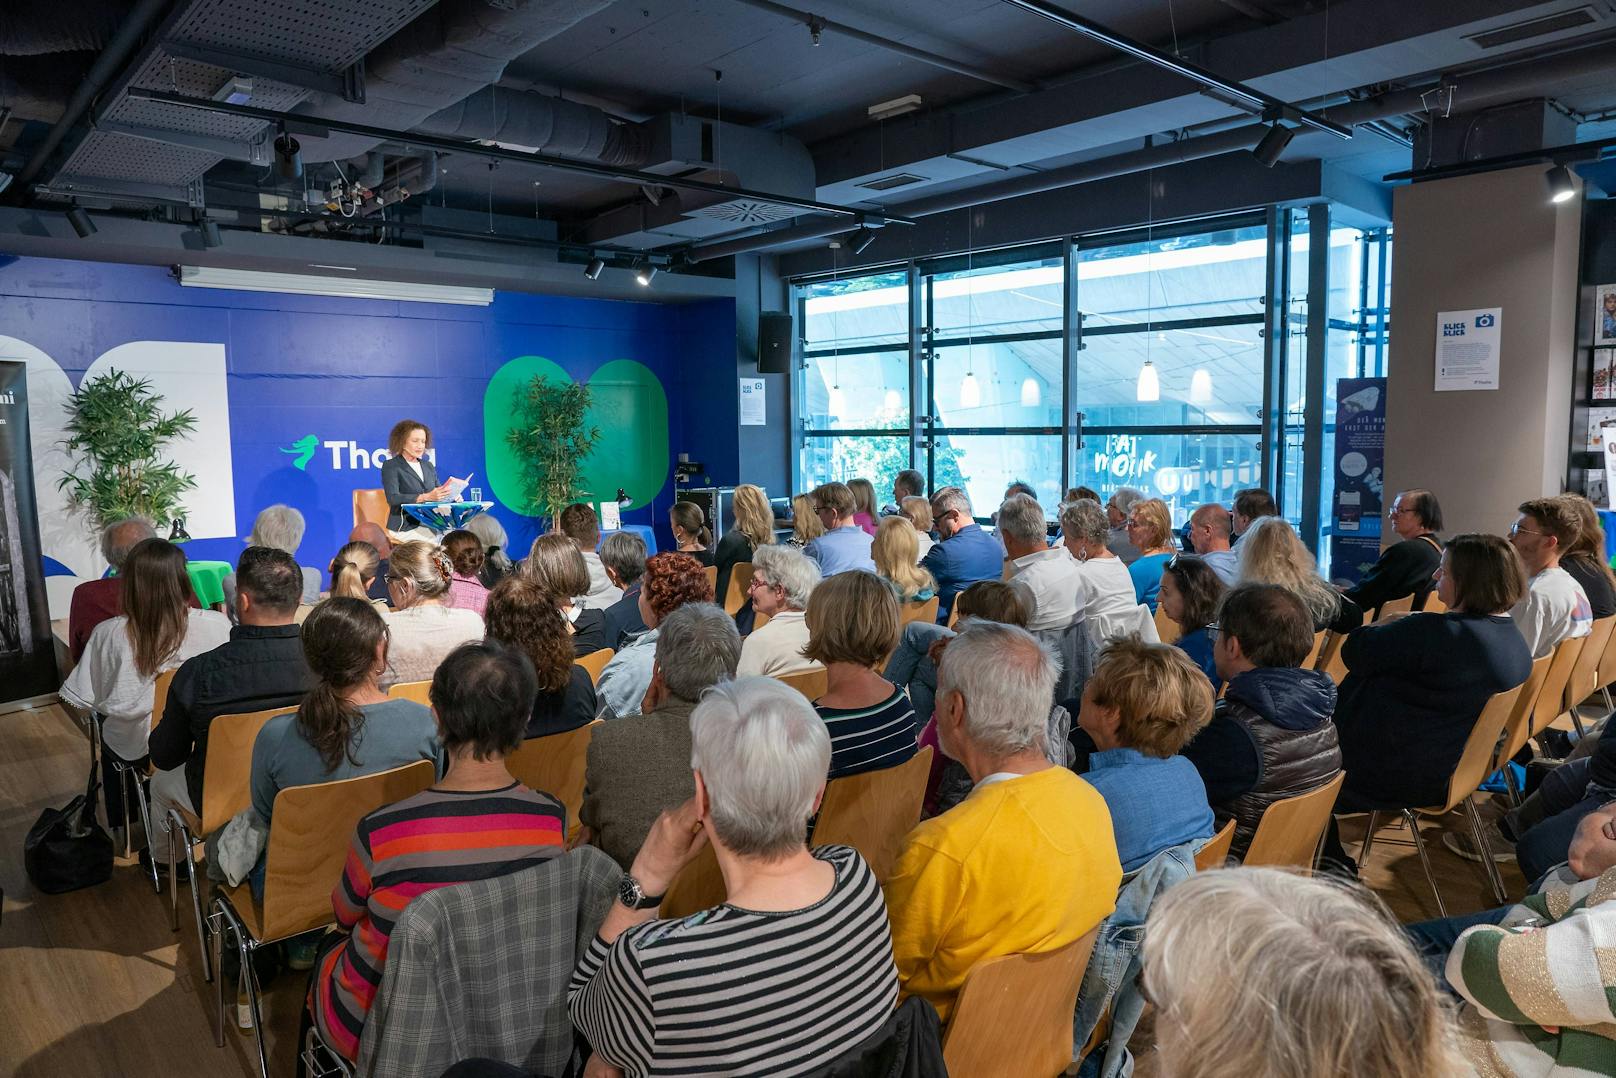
{"x":67,"y":849}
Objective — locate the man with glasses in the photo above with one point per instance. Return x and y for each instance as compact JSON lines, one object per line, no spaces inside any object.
{"x":1116,"y":515}
{"x":1555,"y":608}
{"x":1209,"y":537}
{"x":965,"y":554}
{"x":1406,"y":567}
{"x":844,"y":545}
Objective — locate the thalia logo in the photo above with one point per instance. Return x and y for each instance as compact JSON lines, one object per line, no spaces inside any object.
{"x":304,"y":449}
{"x":344,"y":454}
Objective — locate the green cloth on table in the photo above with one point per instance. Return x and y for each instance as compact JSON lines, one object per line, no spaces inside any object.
{"x":207,"y":580}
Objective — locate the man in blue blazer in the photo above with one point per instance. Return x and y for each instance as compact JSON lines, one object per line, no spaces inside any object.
{"x":966,"y":553}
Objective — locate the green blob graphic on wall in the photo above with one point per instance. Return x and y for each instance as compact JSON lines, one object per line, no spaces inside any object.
{"x":628,"y":405}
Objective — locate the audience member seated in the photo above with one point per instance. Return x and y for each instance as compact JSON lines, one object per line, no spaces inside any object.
{"x":1270,"y":736}
{"x":690,"y":532}
{"x":852,"y":628}
{"x":1117,"y":509}
{"x":908,"y":484}
{"x":896,"y":551}
{"x":1555,"y":607}
{"x":346,"y":726}
{"x":94,"y":601}
{"x":795,"y":967}
{"x":753,"y":530}
{"x":1262,"y":973}
{"x":524,"y":616}
{"x":1190,"y":592}
{"x":1142,"y":705}
{"x":782,"y":582}
{"x":805,"y":525}
{"x":466,"y":591}
{"x":421,"y":628}
{"x":913,"y":666}
{"x":917,"y":511}
{"x":671,"y":580}
{"x":440,"y":836}
{"x":158,"y":630}
{"x":1108,"y":601}
{"x":1150,"y":529}
{"x":260,"y":667}
{"x":1585,"y":558}
{"x":1250,"y":506}
{"x":623,"y":555}
{"x":1027,"y":863}
{"x":355,"y":572}
{"x":579,"y":523}
{"x":1051,"y":579}
{"x":640,"y":766}
{"x":1209,"y":538}
{"x":1540,"y":829}
{"x":964,"y":554}
{"x":372,"y":533}
{"x":1272,"y":553}
{"x":280,"y":527}
{"x":555,"y":565}
{"x":496,"y":563}
{"x":842,"y":544}
{"x":1406,"y":567}
{"x":1416,"y":684}
{"x":863,"y":504}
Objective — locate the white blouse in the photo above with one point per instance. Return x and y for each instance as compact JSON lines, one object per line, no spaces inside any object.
{"x":419,"y":638}
{"x":776,"y":649}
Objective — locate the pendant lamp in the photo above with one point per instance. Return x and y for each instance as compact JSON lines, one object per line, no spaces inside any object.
{"x":1149,"y":383}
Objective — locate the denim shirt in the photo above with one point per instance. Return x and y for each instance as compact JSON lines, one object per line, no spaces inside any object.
{"x":842,"y":549}
{"x":1154,"y":803}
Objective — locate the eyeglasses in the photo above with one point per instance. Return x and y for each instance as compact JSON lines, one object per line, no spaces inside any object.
{"x":1516,"y":529}
{"x":1398,"y":510}
{"x":1212,"y":629}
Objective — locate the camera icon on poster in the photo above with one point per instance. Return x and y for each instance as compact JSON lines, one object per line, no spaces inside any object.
{"x":1486,"y":321}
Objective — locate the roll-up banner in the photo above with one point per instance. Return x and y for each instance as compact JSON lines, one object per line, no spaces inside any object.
{"x":1360,"y":459}
{"x":27,"y":654}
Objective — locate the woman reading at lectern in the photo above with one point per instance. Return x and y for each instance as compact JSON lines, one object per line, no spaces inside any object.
{"x":407,"y":476}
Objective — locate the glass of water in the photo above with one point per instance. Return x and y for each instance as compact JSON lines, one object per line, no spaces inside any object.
{"x":474,"y":494}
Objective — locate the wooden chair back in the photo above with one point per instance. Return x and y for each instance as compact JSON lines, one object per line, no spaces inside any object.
{"x":419,"y":691}
{"x":1395,"y":606}
{"x":953,"y":613}
{"x":595,"y":662}
{"x":925,"y":613}
{"x":1550,"y":701}
{"x":699,"y":886}
{"x":1216,"y":849}
{"x":160,"y":694}
{"x":1289,"y":832}
{"x":555,"y":764}
{"x":811,"y":683}
{"x":371,"y":505}
{"x":1330,"y":661}
{"x":1318,"y":649}
{"x":1585,"y":673}
{"x":309,"y":838}
{"x":712,"y":576}
{"x":740,"y":580}
{"x":226,"y":781}
{"x":1607,"y":665}
{"x":1518,"y":725}
{"x":873,"y":812}
{"x":1476,"y":762}
{"x":1434,"y":603}
{"x":759,"y":619}
{"x":1014,"y":1013}
{"x":1166,"y":628}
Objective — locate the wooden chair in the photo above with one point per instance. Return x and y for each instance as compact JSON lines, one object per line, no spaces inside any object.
{"x":925,"y":612}
{"x":419,"y":691}
{"x":1312,"y":659}
{"x":740,"y":580}
{"x":812,"y":683}
{"x":1014,"y":1014}
{"x":1215,"y":851}
{"x":712,"y":576}
{"x":1290,"y":830}
{"x":160,"y":693}
{"x":1606,"y":671}
{"x":595,"y":662}
{"x":1474,"y":765}
{"x":1330,"y":661}
{"x":873,"y":812}
{"x":699,"y":886}
{"x":1404,"y":605}
{"x":1434,"y":603}
{"x":1585,"y":673}
{"x":134,"y":784}
{"x":309,"y":838}
{"x":371,"y":505}
{"x":1166,"y":627}
{"x":1550,"y":701}
{"x":1518,"y":726}
{"x":759,"y":619}
{"x":953,"y":613}
{"x":555,"y":764}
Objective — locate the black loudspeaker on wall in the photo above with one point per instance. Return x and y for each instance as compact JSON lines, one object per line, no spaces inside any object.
{"x":774,"y":343}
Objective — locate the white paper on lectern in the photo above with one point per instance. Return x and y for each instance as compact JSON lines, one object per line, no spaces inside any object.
{"x":611,"y":516}
{"x":1467,"y":348}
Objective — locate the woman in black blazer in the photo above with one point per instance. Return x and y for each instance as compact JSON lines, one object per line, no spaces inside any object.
{"x":407,"y":476}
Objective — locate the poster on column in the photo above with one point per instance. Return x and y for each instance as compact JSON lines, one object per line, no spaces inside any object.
{"x":1360,"y":450}
{"x":1467,"y":344}
{"x":27,"y":653}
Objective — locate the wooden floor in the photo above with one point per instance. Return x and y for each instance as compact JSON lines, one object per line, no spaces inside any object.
{"x":94,"y":982}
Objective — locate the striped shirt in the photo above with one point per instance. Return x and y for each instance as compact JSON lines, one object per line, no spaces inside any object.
{"x":870,"y":738}
{"x":738,"y":992}
{"x":434,"y":839}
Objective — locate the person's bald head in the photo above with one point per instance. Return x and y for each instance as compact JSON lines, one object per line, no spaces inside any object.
{"x":122,"y":536}
{"x":372,"y":533}
{"x":1209,"y":529}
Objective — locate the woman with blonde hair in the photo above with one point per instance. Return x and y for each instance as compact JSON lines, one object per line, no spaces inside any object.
{"x":1585,"y":559}
{"x":1150,"y":528}
{"x":917,"y":511}
{"x":1272,"y":553}
{"x":754,"y":529}
{"x":895,"y":551}
{"x":805,"y":525}
{"x":353,"y":576}
{"x":421,"y":627}
{"x":555,"y":563}
{"x":852,"y":628}
{"x":863,"y":503}
{"x":1258,"y":973}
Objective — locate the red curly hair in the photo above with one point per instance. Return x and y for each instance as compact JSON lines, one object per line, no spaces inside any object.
{"x":672,"y":580}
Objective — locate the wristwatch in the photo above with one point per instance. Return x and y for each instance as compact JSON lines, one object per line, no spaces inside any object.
{"x":632,"y":895}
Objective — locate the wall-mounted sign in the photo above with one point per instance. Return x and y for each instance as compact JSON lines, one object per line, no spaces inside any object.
{"x":754,"y":412}
{"x":1467,"y":348}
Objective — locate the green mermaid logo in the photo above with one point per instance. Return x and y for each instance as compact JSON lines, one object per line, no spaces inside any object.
{"x":304,"y":449}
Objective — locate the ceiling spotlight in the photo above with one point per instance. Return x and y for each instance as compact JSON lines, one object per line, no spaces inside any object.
{"x":652,"y":193}
{"x":1561,"y":185}
{"x":645,"y":274}
{"x":816,"y":27}
{"x":1273,"y":143}
{"x":210,"y":234}
{"x":862,"y":240}
{"x":81,"y":222}
{"x":595,"y":268}
{"x":288,"y":157}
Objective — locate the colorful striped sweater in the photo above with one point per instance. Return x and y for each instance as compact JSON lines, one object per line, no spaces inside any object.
{"x":1541,"y":987}
{"x":434,"y":839}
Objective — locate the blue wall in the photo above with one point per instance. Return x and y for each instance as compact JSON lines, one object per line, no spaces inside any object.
{"x":346,"y":370}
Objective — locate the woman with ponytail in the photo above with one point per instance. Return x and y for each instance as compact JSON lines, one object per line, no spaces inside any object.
{"x":690,"y":532}
{"x":422,"y":627}
{"x":353,"y":576}
{"x":346,"y":726}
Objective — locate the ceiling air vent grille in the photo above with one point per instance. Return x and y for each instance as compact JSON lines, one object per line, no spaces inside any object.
{"x":745,"y":212}
{"x":887,"y":183}
{"x":1539,"y":27}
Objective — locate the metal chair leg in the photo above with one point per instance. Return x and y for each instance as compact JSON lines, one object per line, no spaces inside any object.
{"x":145,"y":823}
{"x":1368,"y":840}
{"x":123,"y":803}
{"x":245,"y":947}
{"x":1576,"y":720}
{"x":216,"y":936}
{"x":176,"y":827}
{"x":1479,"y":835}
{"x":1512,"y":785}
{"x":173,"y":878}
{"x":208,"y":966}
{"x":1425,"y":861}
{"x":1610,"y":705}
